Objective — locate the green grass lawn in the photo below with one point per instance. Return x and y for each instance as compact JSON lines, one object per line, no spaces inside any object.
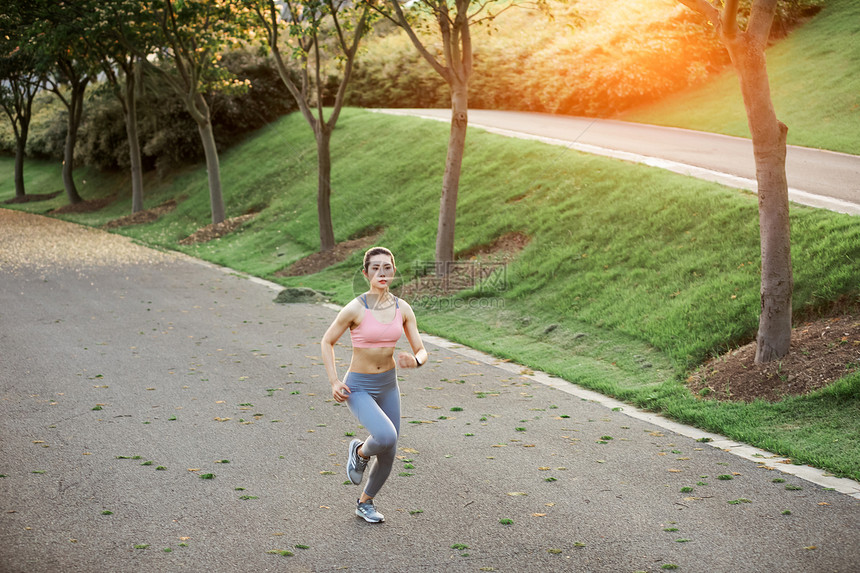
{"x":633,"y":276}
{"x":814,"y":80}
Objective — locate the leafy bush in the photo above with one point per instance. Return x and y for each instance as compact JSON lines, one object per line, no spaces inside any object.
{"x":266,"y":99}
{"x":102,"y":140}
{"x":47,"y":128}
{"x":391,"y":73}
{"x":168,"y":136}
{"x":594,"y":57}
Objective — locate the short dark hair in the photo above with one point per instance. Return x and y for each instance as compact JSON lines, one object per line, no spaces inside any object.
{"x":376,"y":251}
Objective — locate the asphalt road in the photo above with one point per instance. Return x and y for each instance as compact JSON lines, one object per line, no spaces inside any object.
{"x":121,"y":388}
{"x":817,"y":178}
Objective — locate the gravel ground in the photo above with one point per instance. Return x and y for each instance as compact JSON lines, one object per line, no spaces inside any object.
{"x":23,"y":248}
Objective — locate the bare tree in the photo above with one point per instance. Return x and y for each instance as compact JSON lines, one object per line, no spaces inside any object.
{"x":453,"y":18}
{"x":306,"y":23}
{"x":747,"y":51}
{"x":193,"y":36}
{"x":119,"y":25}
{"x":69,"y":82}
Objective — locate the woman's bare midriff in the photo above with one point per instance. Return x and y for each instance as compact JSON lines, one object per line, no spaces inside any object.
{"x":371,"y":360}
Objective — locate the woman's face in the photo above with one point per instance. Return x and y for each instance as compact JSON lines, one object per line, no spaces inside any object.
{"x":380,"y":271}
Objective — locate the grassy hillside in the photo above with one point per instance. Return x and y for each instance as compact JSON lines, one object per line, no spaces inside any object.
{"x":632,"y":275}
{"x":815,"y":87}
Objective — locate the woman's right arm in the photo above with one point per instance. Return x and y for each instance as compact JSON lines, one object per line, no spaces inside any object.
{"x":344,"y":319}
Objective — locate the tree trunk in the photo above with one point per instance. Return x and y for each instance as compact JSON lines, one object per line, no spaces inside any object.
{"x":133,"y":145}
{"x":199,"y":110}
{"x":20,"y":150}
{"x":323,"y":135}
{"x":76,"y":107}
{"x":768,"y":136}
{"x":213,"y":169}
{"x":451,"y":178}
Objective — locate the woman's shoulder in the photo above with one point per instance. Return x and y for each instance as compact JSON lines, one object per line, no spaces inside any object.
{"x":353,"y":309}
{"x":402,"y":302}
{"x":406,"y":308}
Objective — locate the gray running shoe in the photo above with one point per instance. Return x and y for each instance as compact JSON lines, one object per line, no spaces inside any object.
{"x":368,"y":512}
{"x":355,"y":464}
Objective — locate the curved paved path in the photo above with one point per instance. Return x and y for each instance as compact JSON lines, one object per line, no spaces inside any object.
{"x":110,"y":371}
{"x":816,"y":178}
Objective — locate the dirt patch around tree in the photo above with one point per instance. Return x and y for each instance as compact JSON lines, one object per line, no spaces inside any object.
{"x":87,"y":206}
{"x":142,"y":217}
{"x":483,"y":266}
{"x":33,"y":198}
{"x":822,"y":351}
{"x":216,"y":230}
{"x":316,"y":262}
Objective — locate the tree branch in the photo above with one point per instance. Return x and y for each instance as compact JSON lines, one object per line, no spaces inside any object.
{"x":350,"y":61}
{"x":761,"y":20}
{"x":403,"y":23}
{"x":706,"y":9}
{"x":730,"y":20}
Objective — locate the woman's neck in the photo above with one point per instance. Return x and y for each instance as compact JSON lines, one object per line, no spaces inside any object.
{"x":380,"y":293}
{"x":377,"y":298}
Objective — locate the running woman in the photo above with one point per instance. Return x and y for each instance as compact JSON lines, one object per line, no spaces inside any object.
{"x":375,"y":320}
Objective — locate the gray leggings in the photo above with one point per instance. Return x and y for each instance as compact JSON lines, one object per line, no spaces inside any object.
{"x":375,"y":400}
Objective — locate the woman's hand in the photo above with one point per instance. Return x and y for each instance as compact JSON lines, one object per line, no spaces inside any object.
{"x":340,"y":391}
{"x":406,"y":360}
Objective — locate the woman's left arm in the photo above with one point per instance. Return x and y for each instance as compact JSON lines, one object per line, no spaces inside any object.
{"x":410,"y":326}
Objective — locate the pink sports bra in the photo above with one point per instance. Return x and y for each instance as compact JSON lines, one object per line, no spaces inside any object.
{"x":371,"y":333}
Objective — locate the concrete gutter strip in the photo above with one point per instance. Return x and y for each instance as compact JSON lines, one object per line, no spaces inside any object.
{"x":763,"y":457}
